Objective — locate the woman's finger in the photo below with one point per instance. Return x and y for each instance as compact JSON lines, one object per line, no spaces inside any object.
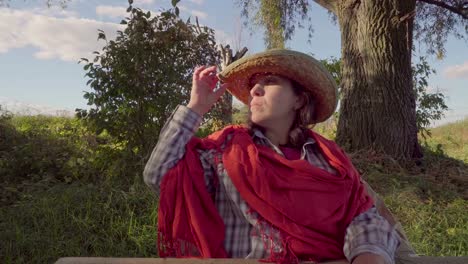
{"x":221,"y":90}
{"x":208,"y":71}
{"x":196,"y":72}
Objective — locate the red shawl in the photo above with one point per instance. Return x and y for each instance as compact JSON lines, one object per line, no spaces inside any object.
{"x":311,"y":207}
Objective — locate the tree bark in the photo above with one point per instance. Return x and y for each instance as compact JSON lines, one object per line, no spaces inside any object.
{"x":378,"y":109}
{"x":330,"y":5}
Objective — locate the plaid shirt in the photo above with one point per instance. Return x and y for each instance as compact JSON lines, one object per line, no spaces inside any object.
{"x":368,"y":232}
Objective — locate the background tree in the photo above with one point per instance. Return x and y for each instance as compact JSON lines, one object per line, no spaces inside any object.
{"x":378,"y":107}
{"x":49,"y":3}
{"x":333,"y":65}
{"x":430,"y":106}
{"x":139,"y":78}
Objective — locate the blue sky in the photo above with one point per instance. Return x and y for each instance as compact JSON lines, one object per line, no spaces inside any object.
{"x":40,"y":47}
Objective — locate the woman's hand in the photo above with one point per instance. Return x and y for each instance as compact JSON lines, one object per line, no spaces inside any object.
{"x":202,"y":96}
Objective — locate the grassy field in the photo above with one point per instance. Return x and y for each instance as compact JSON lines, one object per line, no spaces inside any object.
{"x":50,"y":219}
{"x":431,"y":200}
{"x":451,"y":139}
{"x":79,"y":220}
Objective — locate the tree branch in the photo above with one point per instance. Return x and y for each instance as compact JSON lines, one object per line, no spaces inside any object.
{"x":460,"y":9}
{"x":330,"y":5}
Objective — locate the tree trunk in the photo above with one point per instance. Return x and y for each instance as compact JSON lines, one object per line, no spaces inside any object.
{"x":227,"y":109}
{"x":378,"y":109}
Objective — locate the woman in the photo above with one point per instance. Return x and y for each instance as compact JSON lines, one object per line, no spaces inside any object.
{"x":272,"y":189}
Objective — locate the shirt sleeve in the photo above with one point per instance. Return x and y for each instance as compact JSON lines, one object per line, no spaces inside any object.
{"x":174,"y":136}
{"x":369,"y":232}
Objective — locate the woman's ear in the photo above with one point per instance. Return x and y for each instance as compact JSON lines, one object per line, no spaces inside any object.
{"x":300,"y":101}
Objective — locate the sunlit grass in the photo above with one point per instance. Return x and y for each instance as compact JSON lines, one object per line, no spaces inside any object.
{"x":49,"y":219}
{"x":79,"y":220}
{"x":434,"y":217}
{"x":452,"y":139}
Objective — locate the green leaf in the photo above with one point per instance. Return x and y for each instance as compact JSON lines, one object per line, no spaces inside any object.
{"x":130,"y":2}
{"x":101,"y":36}
{"x":11,"y":189}
{"x":174,"y":2}
{"x":129,"y":9}
{"x":123,"y":22}
{"x":177,"y":11}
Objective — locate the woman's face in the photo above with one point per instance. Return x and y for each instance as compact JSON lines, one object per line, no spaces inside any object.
{"x":272,"y":100}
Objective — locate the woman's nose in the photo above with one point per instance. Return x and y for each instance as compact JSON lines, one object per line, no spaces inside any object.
{"x":257,"y":90}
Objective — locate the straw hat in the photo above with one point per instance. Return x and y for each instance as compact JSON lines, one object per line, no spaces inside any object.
{"x":294,"y":65}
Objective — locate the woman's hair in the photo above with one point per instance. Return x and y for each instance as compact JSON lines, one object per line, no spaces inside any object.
{"x":304,"y":117}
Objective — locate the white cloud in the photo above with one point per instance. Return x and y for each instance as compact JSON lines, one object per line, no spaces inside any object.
{"x":198,"y":2}
{"x":451,"y":116}
{"x":432,"y":89}
{"x":193,"y":12}
{"x":223,"y":38}
{"x":457,"y":71}
{"x":111,"y":11}
{"x":67,"y":39}
{"x":200,"y":14}
{"x":144,"y":2}
{"x":118,"y":11}
{"x":54,"y":11}
{"x":22,"y":108}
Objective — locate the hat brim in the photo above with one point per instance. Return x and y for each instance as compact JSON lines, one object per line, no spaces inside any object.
{"x":300,"y":67}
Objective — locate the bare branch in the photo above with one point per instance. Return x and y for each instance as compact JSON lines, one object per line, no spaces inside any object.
{"x":330,"y":5}
{"x":461,"y":9}
{"x":226,"y":55}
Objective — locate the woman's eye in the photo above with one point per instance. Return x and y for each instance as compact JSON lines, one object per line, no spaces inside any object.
{"x":270,"y":80}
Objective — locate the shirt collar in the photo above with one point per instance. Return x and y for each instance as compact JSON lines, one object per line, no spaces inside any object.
{"x":258,"y":134}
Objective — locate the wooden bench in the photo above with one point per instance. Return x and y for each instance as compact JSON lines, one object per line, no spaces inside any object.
{"x":409,"y":260}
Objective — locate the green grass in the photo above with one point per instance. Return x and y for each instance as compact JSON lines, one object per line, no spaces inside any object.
{"x":433,"y":214}
{"x":430,"y":199}
{"x":451,"y":139}
{"x":433,"y":228}
{"x":43,"y":220}
{"x":79,"y":220}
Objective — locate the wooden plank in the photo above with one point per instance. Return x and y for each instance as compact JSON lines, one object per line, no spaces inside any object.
{"x":82,"y":260}
{"x":433,"y":260}
{"x":150,"y":261}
